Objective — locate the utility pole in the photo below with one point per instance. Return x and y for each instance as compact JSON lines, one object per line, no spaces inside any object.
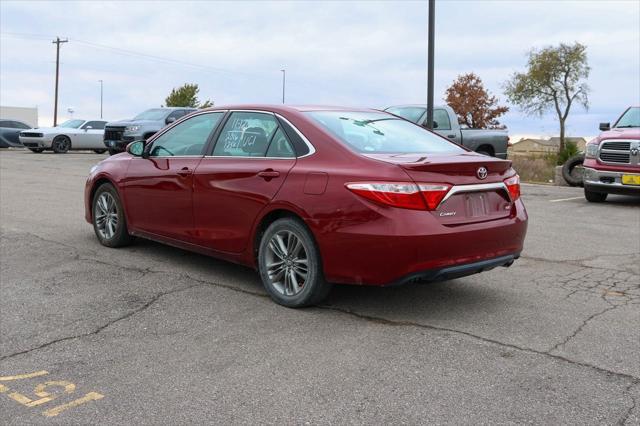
{"x":57,"y":42}
{"x":430,"y":45}
{"x":283,"y":82}
{"x":100,"y":98}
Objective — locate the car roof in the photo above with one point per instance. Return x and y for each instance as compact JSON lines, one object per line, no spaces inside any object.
{"x":414,"y":106}
{"x":278,"y":108}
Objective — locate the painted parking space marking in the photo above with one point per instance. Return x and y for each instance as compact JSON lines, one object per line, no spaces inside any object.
{"x":566,"y":199}
{"x":46,"y":392}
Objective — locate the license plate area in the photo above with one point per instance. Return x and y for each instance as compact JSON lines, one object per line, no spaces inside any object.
{"x":630,"y":179}
{"x":470,"y":207}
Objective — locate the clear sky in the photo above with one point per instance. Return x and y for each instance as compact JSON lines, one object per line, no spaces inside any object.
{"x":346,"y":53}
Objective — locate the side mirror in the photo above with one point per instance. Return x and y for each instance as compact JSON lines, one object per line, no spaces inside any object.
{"x":170,"y":120}
{"x":136,"y":148}
{"x":605,"y":126}
{"x":88,"y":128}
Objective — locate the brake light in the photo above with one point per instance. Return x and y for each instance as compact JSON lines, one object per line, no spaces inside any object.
{"x":433,"y":194}
{"x":401,"y":194}
{"x":513,"y":185}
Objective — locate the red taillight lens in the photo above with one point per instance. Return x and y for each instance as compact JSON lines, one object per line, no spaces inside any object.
{"x":404,"y":195}
{"x":433,"y":194}
{"x":401,"y":194}
{"x":513,"y":185}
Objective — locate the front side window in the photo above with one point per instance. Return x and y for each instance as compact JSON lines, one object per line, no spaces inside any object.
{"x":20,"y":125}
{"x":631,"y":118}
{"x":177,"y":114}
{"x":72,"y":124}
{"x":441,"y":120}
{"x":186,"y":138}
{"x":246,"y":134}
{"x":95,"y":125}
{"x":380,"y":133}
{"x":412,"y":114}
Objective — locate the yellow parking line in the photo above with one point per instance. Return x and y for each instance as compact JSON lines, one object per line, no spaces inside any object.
{"x":566,"y":199}
{"x":24,"y":376}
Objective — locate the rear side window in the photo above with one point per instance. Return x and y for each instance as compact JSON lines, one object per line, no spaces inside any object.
{"x":246,"y":134}
{"x":280,"y":146}
{"x":376,"y":132}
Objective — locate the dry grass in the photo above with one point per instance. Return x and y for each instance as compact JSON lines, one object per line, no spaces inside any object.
{"x":534,"y":168}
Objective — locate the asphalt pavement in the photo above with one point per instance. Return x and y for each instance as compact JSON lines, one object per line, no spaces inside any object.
{"x":151,"y":334}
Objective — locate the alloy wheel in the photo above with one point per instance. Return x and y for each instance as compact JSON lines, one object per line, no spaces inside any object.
{"x":287,"y":263}
{"x":106,"y":215}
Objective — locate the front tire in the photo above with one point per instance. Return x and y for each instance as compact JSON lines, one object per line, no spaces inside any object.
{"x":99,"y":151}
{"x":595,"y":197}
{"x":113,"y":151}
{"x":290,"y":265}
{"x":61,"y":144}
{"x":109,"y":222}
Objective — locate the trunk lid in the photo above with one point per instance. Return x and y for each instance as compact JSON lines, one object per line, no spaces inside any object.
{"x":471,"y":199}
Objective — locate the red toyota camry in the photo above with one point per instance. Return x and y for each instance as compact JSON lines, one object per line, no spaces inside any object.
{"x":312,"y":196}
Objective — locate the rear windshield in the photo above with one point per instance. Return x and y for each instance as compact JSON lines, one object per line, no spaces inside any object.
{"x":377,"y":132}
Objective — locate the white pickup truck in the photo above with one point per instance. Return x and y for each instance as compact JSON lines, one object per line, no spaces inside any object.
{"x":445,"y":123}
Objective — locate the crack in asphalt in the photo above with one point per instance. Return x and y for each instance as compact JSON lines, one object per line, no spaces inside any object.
{"x":378,"y":320}
{"x":627,"y":414}
{"x":129,"y":314}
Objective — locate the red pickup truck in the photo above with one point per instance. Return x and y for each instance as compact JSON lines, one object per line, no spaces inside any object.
{"x":612,"y":160}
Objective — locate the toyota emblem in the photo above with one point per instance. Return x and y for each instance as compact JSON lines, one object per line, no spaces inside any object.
{"x":482,"y":173}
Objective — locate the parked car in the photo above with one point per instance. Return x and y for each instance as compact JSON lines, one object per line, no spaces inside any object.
{"x":144,"y":125}
{"x":72,"y":134}
{"x":445,"y":122}
{"x":10,"y":131}
{"x":312,"y":196}
{"x":612,"y":160}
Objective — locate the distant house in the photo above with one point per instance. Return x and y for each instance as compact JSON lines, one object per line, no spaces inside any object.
{"x":543,"y":146}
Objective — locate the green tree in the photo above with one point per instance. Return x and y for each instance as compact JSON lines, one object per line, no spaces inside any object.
{"x":555,"y":78}
{"x":186,"y":96}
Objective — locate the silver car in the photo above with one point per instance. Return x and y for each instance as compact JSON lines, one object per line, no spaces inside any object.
{"x":72,"y":134}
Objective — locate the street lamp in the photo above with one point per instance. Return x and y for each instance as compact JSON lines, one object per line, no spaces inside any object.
{"x":100,"y":98}
{"x":284,"y":73}
{"x":430,"y":45}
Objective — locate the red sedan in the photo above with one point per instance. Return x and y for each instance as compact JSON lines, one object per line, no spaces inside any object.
{"x":312,"y":196}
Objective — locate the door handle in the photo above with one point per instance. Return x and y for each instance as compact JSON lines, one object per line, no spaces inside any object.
{"x":269,"y":174}
{"x":451,"y":136}
{"x":185,"y":171}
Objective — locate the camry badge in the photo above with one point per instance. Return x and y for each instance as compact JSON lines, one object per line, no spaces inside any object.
{"x":482,"y":173}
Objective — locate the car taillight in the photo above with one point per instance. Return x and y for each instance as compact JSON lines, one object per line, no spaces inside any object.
{"x":513,"y":185}
{"x":401,"y":194}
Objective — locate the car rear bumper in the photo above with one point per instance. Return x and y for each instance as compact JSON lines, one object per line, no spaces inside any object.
{"x":609,"y":182}
{"x":410,"y":244}
{"x":458,"y":271}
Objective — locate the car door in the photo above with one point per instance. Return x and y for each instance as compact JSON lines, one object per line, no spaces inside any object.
{"x":250,"y":160}
{"x":91,"y":135}
{"x":158,"y":189}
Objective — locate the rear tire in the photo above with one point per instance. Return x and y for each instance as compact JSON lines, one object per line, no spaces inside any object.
{"x":109,"y":222}
{"x":290,"y":265}
{"x":595,"y":197}
{"x":61,"y":144}
{"x":99,"y":151}
{"x":113,"y":151}
{"x":36,"y":150}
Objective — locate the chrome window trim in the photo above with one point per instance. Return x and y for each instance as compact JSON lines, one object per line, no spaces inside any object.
{"x":459,"y":189}
{"x":312,"y":149}
{"x":632,"y":142}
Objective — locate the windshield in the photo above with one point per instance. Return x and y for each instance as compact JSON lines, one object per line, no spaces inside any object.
{"x":631,"y":118}
{"x":380,"y":133}
{"x":152,"y":114}
{"x":408,"y":113}
{"x":72,"y":124}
